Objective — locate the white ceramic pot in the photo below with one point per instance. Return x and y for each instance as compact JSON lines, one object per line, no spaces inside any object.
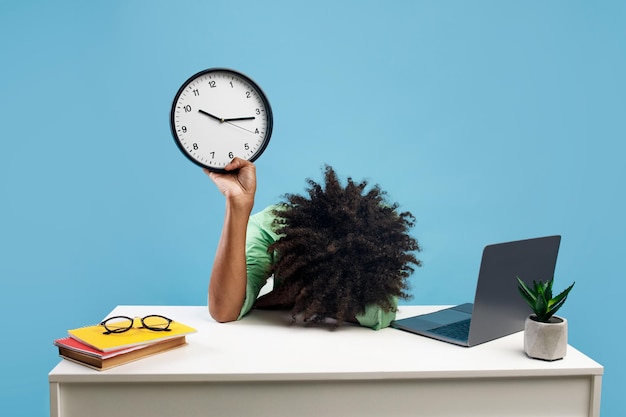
{"x":547,"y":341}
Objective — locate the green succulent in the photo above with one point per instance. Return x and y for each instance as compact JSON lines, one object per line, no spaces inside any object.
{"x":540,"y":299}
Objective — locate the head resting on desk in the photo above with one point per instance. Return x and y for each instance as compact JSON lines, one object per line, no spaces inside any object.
{"x":342,"y":248}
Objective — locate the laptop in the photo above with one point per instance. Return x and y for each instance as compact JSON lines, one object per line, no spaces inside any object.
{"x":498,"y":309}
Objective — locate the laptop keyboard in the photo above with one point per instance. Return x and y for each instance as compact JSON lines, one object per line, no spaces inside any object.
{"x":458,"y":330}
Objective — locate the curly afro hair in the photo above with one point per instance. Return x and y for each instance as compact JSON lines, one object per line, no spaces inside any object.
{"x":342,"y":249}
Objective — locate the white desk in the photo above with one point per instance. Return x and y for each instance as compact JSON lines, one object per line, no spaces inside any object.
{"x":263,"y":366}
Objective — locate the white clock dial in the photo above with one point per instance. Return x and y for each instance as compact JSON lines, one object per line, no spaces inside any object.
{"x":219,"y":114}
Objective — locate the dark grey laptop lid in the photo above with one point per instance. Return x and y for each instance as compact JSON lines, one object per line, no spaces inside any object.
{"x":499,"y":310}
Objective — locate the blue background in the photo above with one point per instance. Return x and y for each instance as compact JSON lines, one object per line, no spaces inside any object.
{"x":490,"y":121}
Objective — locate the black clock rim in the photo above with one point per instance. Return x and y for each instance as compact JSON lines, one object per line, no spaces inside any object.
{"x":268,"y":107}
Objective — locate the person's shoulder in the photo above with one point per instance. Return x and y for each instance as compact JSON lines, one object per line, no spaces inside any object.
{"x":264,"y":219}
{"x":261,"y":225}
{"x":268,"y":211}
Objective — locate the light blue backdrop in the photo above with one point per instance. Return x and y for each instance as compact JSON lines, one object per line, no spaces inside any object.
{"x":489,"y":120}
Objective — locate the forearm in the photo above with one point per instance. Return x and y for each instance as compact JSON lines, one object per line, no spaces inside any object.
{"x":227,"y":287}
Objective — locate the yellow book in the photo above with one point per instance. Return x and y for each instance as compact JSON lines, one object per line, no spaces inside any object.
{"x":96,"y":337}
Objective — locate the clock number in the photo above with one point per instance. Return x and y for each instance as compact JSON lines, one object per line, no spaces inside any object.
{"x":256,"y":131}
{"x":231,"y":85}
{"x":212,"y":84}
{"x":231,"y":155}
{"x":187,"y":108}
{"x":258,"y":111}
{"x":248,"y":95}
{"x":195,"y":146}
{"x":184,"y":129}
{"x":196,"y":92}
{"x":212,"y":155}
{"x":246,"y":146}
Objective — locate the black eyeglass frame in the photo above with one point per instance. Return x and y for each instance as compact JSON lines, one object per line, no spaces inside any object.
{"x":132,"y":321}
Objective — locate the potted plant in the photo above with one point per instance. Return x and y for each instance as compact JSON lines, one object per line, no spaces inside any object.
{"x":545,"y":335}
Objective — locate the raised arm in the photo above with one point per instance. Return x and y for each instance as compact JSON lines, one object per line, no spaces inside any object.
{"x":227,"y":287}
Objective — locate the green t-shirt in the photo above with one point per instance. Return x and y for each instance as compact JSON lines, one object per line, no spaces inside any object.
{"x":259,"y":237}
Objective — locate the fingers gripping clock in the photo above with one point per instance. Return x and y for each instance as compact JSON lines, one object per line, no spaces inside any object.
{"x":219,"y":114}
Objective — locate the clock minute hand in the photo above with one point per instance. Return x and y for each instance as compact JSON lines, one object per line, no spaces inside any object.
{"x":232,"y":119}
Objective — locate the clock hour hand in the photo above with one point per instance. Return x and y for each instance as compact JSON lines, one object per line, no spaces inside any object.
{"x":212,"y":116}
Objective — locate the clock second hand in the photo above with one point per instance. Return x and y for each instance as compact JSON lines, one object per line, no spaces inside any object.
{"x":242,"y":128}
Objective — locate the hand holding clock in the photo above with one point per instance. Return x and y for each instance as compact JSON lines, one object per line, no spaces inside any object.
{"x":227,"y":156}
{"x":237,"y":183}
{"x":227,"y":285}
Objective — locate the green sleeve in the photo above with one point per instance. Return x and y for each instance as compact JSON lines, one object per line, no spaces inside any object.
{"x":259,"y":236}
{"x":376,"y":318}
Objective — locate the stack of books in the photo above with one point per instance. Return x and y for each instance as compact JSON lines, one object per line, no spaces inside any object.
{"x":89,"y":345}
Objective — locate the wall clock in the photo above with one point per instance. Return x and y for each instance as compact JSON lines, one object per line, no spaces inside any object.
{"x":219,"y":114}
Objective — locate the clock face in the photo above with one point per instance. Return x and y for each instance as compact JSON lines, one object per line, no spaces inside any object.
{"x":219,"y":114}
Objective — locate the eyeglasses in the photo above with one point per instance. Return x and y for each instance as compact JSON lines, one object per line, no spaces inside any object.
{"x":121,"y":324}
